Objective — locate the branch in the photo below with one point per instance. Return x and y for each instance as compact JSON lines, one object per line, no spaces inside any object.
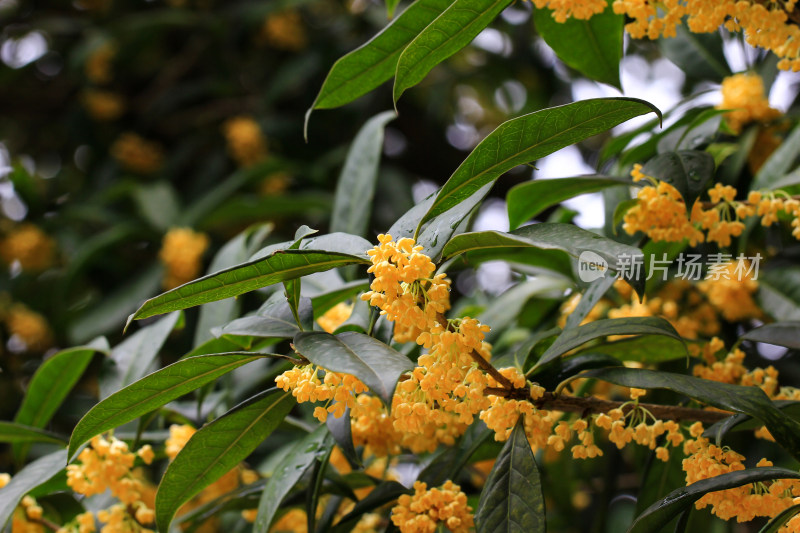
{"x":592,"y":405}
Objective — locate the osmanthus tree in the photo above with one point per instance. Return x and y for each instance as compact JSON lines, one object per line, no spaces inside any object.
{"x":623,"y":361}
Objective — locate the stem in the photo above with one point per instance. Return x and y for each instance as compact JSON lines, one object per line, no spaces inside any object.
{"x":593,"y":405}
{"x":45,"y":522}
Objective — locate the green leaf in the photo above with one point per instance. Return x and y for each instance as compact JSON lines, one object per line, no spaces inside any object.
{"x":780,"y":520}
{"x":663,"y":511}
{"x":590,"y":297}
{"x":779,"y":293}
{"x":572,"y":338}
{"x":373,"y":63}
{"x":155,"y":390}
{"x":530,"y":137}
{"x":276,"y":322}
{"x":288,"y":473}
{"x":571,"y":240}
{"x":512,"y":498}
{"x":778,"y":163}
{"x":355,"y":188}
{"x":451,"y":31}
{"x":689,"y":171}
{"x":385,"y":492}
{"x":451,"y":462}
{"x":592,"y":47}
{"x":14,"y":432}
{"x":557,"y":370}
{"x":700,"y":56}
{"x":643,"y":349}
{"x":234,"y":252}
{"x":742,"y":422}
{"x":279,"y":266}
{"x":216,"y":448}
{"x":27,"y":479}
{"x":748,"y":400}
{"x":780,"y":333}
{"x":528,"y":199}
{"x":132,"y":357}
{"x":391,"y":5}
{"x":377,"y":365}
{"x":341,"y":430}
{"x":158,"y":203}
{"x":50,"y":385}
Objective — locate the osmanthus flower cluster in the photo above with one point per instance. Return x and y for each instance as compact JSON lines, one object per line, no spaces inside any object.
{"x":181,"y":254}
{"x":426,"y":508}
{"x":108,"y":464}
{"x":661,"y":212}
{"x":765,"y":24}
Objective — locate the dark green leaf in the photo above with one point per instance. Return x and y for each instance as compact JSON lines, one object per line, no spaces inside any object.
{"x":530,"y":137}
{"x":373,"y":63}
{"x":528,"y":199}
{"x":779,"y":163}
{"x":234,"y":252}
{"x":385,"y":492}
{"x":663,"y":511}
{"x":741,"y":399}
{"x":132,"y":357}
{"x":451,"y":31}
{"x":377,"y":365}
{"x":643,"y":349}
{"x":279,"y":266}
{"x":572,"y":338}
{"x":556,"y":371}
{"x":158,"y":204}
{"x":342,"y":433}
{"x":216,"y":448}
{"x":780,"y":333}
{"x":50,"y":385}
{"x":17,"y":433}
{"x":779,"y":520}
{"x":699,"y":55}
{"x":27,"y":479}
{"x":155,"y":390}
{"x":570,"y":239}
{"x":592,"y":47}
{"x":512,"y":498}
{"x":451,"y":462}
{"x":741,"y":422}
{"x":689,"y":171}
{"x":288,"y":473}
{"x":356,"y":185}
{"x":590,"y":297}
{"x":779,"y":293}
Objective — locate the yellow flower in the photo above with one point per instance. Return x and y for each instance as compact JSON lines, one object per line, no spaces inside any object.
{"x":181,"y":253}
{"x":246,"y":142}
{"x":137,"y":154}
{"x":29,"y":327}
{"x":744,"y":95}
{"x":103,"y":105}
{"x":426,"y":509}
{"x":30,"y":246}
{"x":335,"y":316}
{"x":285,"y":31}
{"x":98,"y":64}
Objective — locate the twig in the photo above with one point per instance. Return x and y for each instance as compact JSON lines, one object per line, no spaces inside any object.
{"x":592,"y":405}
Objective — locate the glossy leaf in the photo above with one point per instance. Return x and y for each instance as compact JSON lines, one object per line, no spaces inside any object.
{"x":557,"y":370}
{"x":341,"y":430}
{"x":779,"y":292}
{"x":528,"y":199}
{"x":663,"y":511}
{"x":779,"y":163}
{"x":530,"y":137}
{"x":642,"y":349}
{"x":592,"y":47}
{"x":567,"y":238}
{"x":274,"y":322}
{"x":27,"y":479}
{"x":216,"y":448}
{"x":451,"y":31}
{"x":373,"y":63}
{"x":590,"y":297}
{"x":355,"y":187}
{"x":689,"y":171}
{"x":748,"y":400}
{"x":780,"y":333}
{"x":572,"y":338}
{"x":14,"y":432}
{"x":699,"y":55}
{"x":234,"y":252}
{"x":133,"y":357}
{"x":279,"y":266}
{"x":51,"y":384}
{"x":155,"y":390}
{"x":511,"y":499}
{"x":288,"y":473}
{"x":377,"y":365}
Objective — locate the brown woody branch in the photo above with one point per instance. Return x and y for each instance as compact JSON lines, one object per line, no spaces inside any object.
{"x":591,"y":405}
